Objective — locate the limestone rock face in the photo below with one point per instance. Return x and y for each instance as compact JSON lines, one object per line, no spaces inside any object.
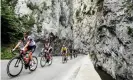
{"x":101,"y":28}
{"x":104,"y":28}
{"x":51,"y":17}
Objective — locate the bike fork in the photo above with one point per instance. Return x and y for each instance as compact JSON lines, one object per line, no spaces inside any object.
{"x":17,"y":62}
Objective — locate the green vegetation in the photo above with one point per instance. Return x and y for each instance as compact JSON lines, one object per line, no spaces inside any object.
{"x":36,"y":7}
{"x":6,"y":53}
{"x":10,"y":24}
{"x":100,"y":5}
{"x":130,"y":31}
{"x":12,"y":27}
{"x":111,"y":29}
{"x":99,"y":2}
{"x":32,"y":6}
{"x":79,"y":19}
{"x":39,"y":29}
{"x":45,"y":7}
{"x":100,"y":8}
{"x":88,"y":12}
{"x":27,"y":21}
{"x":101,"y":27}
{"x":129,"y":6}
{"x":93,"y":56}
{"x":85,"y":7}
{"x":77,"y":13}
{"x":93,"y":12}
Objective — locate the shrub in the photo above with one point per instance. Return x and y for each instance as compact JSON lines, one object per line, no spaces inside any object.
{"x":32,"y":6}
{"x":6,"y":53}
{"x":130,"y":31}
{"x":77,"y":13}
{"x":12,"y":27}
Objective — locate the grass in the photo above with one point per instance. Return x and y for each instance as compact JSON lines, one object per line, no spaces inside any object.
{"x":6,"y":53}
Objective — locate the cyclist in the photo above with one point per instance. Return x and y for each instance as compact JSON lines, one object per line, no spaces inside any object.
{"x":64,"y":50}
{"x":47,"y":48}
{"x":28,"y":44}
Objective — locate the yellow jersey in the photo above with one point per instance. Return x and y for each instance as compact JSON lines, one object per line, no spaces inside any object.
{"x":63,"y":49}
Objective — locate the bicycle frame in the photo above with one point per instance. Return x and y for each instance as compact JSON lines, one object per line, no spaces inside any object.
{"x":64,"y":54}
{"x":46,"y":54}
{"x":20,"y":57}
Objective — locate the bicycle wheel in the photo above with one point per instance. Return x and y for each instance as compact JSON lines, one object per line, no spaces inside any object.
{"x":43,"y":61}
{"x":14,"y":66}
{"x":62,"y":59}
{"x":65,"y":59}
{"x":50,"y":62}
{"x":40,"y":54}
{"x":34,"y":63}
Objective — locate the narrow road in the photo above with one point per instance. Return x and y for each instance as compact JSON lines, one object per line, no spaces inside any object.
{"x":57,"y":71}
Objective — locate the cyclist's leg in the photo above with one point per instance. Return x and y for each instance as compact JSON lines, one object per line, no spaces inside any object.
{"x":63,"y":56}
{"x":30,"y":55}
{"x":32,"y":48}
{"x":50,"y":52}
{"x":66,"y":55}
{"x":24,"y":51}
{"x":45,"y":53}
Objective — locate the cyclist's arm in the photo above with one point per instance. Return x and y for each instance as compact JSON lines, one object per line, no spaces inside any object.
{"x":49,"y":48}
{"x":27,"y":44}
{"x":18,"y":44}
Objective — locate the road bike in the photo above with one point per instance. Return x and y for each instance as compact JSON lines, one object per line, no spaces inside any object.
{"x":64,"y":58}
{"x":45,"y":58}
{"x":19,"y":61}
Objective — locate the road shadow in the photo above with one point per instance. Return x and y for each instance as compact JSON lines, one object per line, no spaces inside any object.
{"x":103,"y":74}
{"x":23,"y":73}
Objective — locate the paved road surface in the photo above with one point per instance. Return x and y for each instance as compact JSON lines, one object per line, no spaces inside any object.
{"x":57,"y":71}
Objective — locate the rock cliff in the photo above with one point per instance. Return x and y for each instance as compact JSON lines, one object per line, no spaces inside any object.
{"x":101,"y":28}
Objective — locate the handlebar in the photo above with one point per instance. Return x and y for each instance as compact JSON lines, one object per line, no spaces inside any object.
{"x":13,"y":52}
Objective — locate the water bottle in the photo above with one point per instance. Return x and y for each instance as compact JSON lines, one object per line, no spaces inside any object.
{"x":26,"y":58}
{"x":27,"y":55}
